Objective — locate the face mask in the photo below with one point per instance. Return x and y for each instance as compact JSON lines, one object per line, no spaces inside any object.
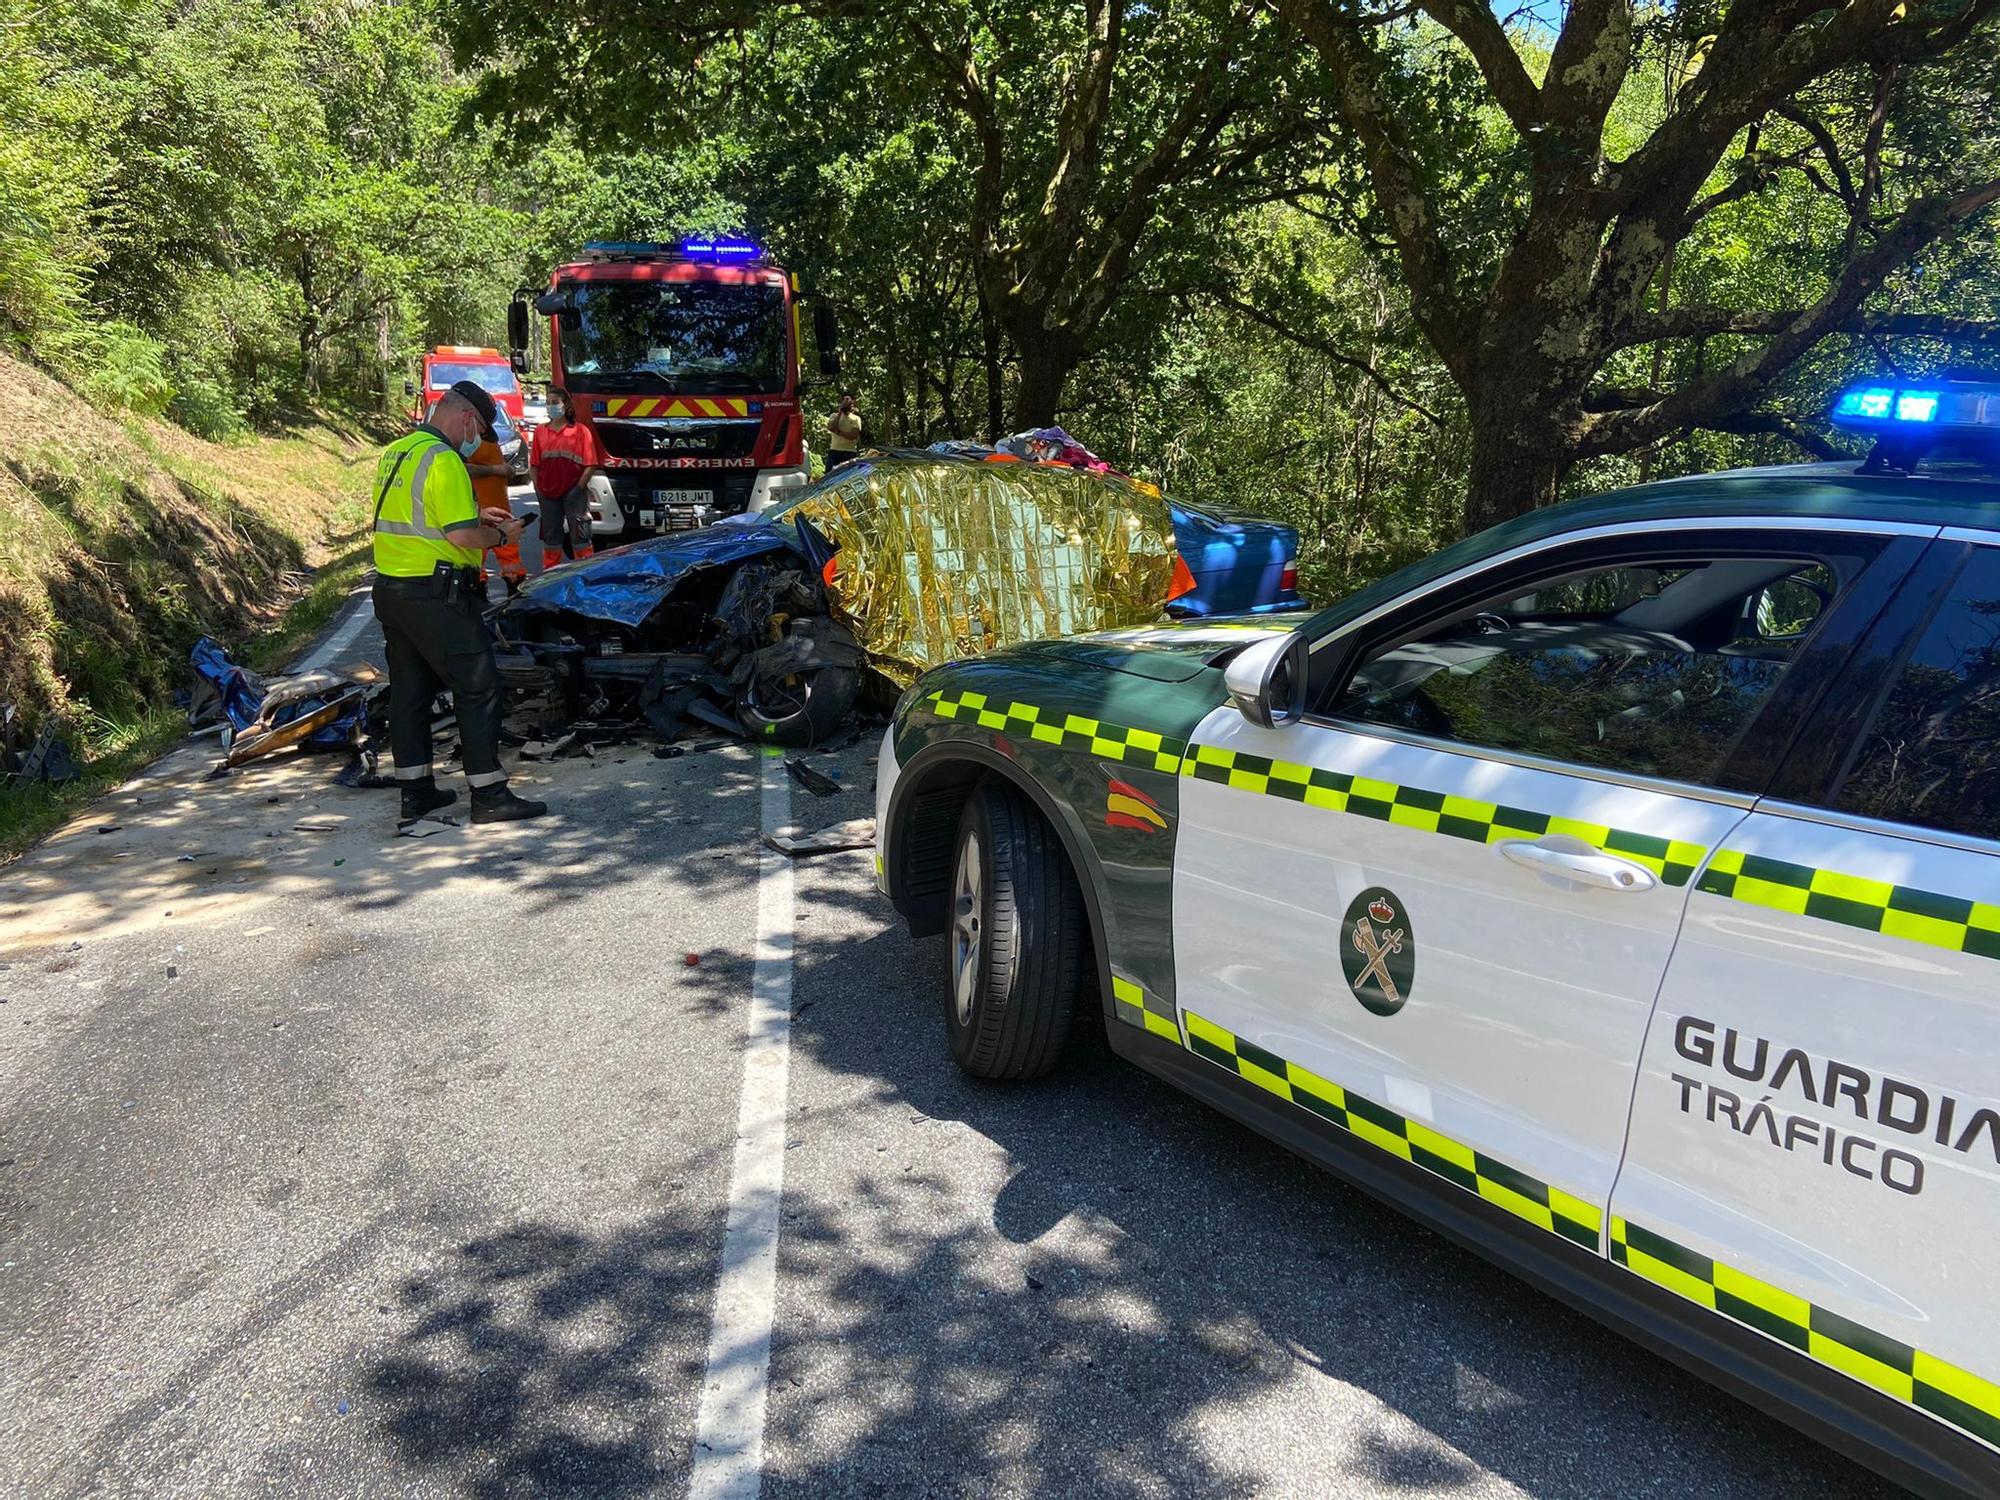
{"x":469,"y":447}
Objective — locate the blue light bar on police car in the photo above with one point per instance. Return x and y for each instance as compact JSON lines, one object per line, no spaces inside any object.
{"x":719,"y":247}
{"x":1931,"y":405}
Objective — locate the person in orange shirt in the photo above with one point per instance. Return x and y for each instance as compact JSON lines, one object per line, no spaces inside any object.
{"x":488,"y":468}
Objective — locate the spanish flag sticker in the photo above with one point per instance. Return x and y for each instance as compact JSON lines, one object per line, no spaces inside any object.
{"x":1125,"y":806}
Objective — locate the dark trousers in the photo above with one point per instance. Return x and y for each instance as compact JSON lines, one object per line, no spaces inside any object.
{"x":435,"y":642}
{"x":565,"y":523}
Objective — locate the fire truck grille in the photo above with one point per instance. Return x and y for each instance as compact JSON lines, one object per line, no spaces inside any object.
{"x":679,"y":439}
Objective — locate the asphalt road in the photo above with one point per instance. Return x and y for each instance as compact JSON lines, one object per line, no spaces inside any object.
{"x":333,"y":1163}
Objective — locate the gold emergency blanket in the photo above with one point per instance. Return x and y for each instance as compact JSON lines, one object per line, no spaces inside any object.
{"x":945,"y":557}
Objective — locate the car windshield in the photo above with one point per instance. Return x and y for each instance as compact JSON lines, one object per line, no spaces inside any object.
{"x":676,"y":336}
{"x":495,"y":378}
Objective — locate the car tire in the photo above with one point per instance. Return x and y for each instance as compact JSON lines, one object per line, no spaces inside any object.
{"x":1016,"y":940}
{"x":802,"y":710}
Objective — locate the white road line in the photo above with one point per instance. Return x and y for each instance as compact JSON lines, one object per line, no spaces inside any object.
{"x":360,"y":612}
{"x":728,"y":1459}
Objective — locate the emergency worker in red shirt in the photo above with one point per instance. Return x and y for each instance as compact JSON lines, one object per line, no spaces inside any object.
{"x":563,"y":459}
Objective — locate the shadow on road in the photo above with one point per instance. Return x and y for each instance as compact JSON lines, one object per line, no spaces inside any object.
{"x":536,"y":1356}
{"x":1156,"y":1302}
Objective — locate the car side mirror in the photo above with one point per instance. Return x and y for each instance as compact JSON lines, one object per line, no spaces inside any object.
{"x":826,"y":333}
{"x":552,"y":304}
{"x":409,"y":388}
{"x":1266,"y":680}
{"x":517,"y":334}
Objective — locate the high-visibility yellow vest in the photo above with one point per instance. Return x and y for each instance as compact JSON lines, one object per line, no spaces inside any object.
{"x":421,"y":491}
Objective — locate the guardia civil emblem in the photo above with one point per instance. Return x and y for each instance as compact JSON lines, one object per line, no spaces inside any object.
{"x":1378,"y":952}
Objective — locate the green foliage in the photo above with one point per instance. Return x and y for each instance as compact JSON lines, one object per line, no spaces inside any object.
{"x":233,"y":209}
{"x":1156,"y":224}
{"x":120,"y":367}
{"x":46,"y":180}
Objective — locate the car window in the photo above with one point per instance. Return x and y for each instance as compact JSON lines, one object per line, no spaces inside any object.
{"x":1932,"y":756}
{"x":1652,"y":670}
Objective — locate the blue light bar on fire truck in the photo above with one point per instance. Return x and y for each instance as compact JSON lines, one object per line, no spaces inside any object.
{"x":1932,"y":406}
{"x":719,"y":248}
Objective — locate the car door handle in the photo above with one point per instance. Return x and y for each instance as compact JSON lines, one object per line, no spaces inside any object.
{"x":1580,"y":866}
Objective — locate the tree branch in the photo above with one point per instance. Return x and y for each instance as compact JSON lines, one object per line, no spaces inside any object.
{"x":1481,"y":33}
{"x":1828,"y":147}
{"x":1160,"y":167}
{"x":1323,"y":348}
{"x":1700,"y":321}
{"x":1779,"y":424}
{"x":1734,"y":386}
{"x":1367,"y":106}
{"x":1745,"y":423}
{"x":1050,"y":241}
{"x":1587,"y":67}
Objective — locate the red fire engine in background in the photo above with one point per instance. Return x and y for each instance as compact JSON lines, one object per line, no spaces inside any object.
{"x":685,"y":361}
{"x":448,"y":364}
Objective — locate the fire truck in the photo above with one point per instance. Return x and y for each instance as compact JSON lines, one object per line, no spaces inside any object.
{"x":448,"y":364}
{"x":685,"y":361}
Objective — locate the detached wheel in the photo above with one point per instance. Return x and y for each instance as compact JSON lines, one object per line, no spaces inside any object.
{"x":1017,"y":945}
{"x":803,"y":707}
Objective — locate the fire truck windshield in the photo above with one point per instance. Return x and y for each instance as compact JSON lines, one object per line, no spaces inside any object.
{"x":496,"y":378}
{"x":685,"y":337}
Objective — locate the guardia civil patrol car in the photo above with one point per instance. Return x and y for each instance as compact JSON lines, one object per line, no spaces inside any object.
{"x":1617,"y":891}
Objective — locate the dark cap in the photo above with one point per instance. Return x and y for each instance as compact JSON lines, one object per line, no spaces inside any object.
{"x":481,"y":399}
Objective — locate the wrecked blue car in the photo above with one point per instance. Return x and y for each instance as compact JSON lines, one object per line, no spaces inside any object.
{"x":775,"y":624}
{"x":730,"y":619}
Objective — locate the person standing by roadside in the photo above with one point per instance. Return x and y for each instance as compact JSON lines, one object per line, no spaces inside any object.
{"x":843,"y":433}
{"x":488,"y":468}
{"x":429,"y":535}
{"x":564,"y":458}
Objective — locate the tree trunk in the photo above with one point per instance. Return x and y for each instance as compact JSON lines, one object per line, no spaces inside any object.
{"x":384,"y":355}
{"x":1520,"y":452}
{"x":1045,"y":368}
{"x":996,"y":411}
{"x":308,"y":325}
{"x":1524,"y":405}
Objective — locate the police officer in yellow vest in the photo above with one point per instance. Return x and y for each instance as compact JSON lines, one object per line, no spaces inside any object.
{"x":429,"y":537}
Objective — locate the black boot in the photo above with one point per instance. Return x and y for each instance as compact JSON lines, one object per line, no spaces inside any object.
{"x":426,"y":796}
{"x":496,"y":804}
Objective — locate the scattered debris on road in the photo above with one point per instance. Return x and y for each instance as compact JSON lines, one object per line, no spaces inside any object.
{"x":855,"y":833}
{"x":816,"y":782}
{"x":426,"y":826}
{"x":256,"y":716}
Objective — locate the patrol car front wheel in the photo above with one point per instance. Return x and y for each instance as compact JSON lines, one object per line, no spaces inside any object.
{"x":1016,"y":943}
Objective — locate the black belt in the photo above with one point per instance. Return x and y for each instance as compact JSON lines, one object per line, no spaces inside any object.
{"x":445,"y":581}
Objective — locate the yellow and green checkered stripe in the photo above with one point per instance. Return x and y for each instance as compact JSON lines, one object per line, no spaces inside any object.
{"x":1136,"y":1007}
{"x":1673,"y":860}
{"x":1140,"y":747}
{"x":1918,"y":1379}
{"x":1901,"y":911}
{"x":1523,"y":1196}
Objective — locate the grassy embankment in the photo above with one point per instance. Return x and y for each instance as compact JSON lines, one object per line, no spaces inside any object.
{"x":123,"y":540}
